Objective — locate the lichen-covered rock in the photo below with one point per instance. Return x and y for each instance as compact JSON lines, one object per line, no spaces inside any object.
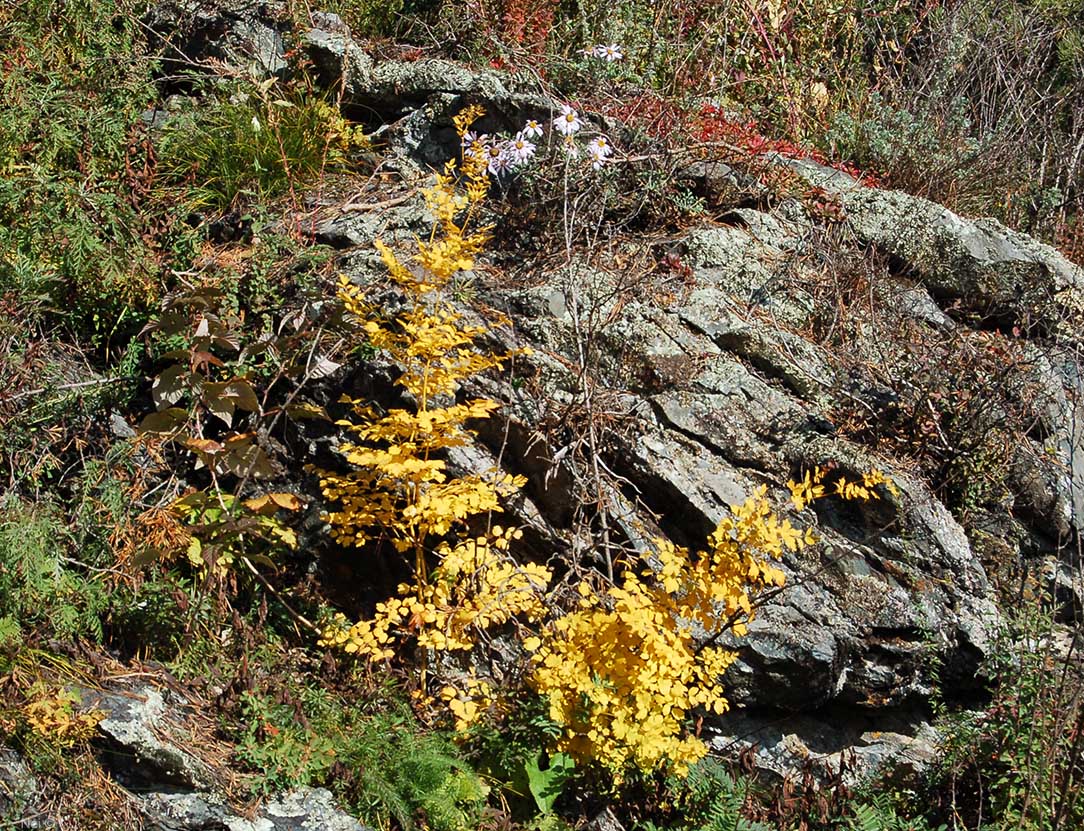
{"x":987,"y":269}
{"x":20,"y":795}
{"x":244,"y":35}
{"x":134,"y":737}
{"x":302,"y":809}
{"x":829,"y":744}
{"x":420,"y":96}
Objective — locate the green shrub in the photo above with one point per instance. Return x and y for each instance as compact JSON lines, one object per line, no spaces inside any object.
{"x":710,"y":799}
{"x":74,"y":163}
{"x":1017,"y":764}
{"x":255,"y":144}
{"x":41,"y":586}
{"x":383,"y":765}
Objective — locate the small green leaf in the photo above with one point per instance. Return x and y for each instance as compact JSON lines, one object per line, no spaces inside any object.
{"x":546,"y":784}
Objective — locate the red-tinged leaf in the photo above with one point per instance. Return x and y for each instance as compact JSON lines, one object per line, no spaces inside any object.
{"x":202,"y":359}
{"x":208,"y":446}
{"x":167,"y":421}
{"x":261,"y":505}
{"x":289,"y":501}
{"x":269,"y":503}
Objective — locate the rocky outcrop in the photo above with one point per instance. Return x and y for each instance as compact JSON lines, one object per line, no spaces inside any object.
{"x":411,"y":102}
{"x":998,"y":276}
{"x":148,"y":739}
{"x":731,"y":384}
{"x":195,"y":36}
{"x":723,"y":389}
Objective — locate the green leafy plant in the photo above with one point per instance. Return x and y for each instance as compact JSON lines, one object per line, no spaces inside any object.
{"x":709,"y":799}
{"x":260,"y":143}
{"x":77,"y":230}
{"x":226,"y":530}
{"x":1017,"y":763}
{"x":546,"y":783}
{"x":881,"y":813}
{"x":382,"y":764}
{"x":41,"y":585}
{"x":286,"y":751}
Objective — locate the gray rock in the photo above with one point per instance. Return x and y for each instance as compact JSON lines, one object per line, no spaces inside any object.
{"x":20,"y":795}
{"x":245,"y":35}
{"x":339,"y":62}
{"x":720,"y":183}
{"x":986,"y":269}
{"x":132,"y":735}
{"x":605,"y":820}
{"x":427,"y":92}
{"x":775,"y":351}
{"x":915,"y":302}
{"x":308,"y":809}
{"x":755,"y":271}
{"x":302,"y":809}
{"x":856,"y":745}
{"x":361,"y":228}
{"x":893,"y":584}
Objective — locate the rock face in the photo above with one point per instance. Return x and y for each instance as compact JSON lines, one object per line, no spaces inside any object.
{"x":243,"y":35}
{"x":725,"y":388}
{"x":145,"y":741}
{"x":991,"y":271}
{"x":730,"y":385}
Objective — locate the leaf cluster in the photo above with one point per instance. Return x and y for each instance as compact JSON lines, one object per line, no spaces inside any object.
{"x":398,"y":481}
{"x":625,"y":671}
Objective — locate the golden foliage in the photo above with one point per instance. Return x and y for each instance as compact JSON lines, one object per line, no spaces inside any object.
{"x":53,"y":714}
{"x":398,"y":486}
{"x":625,"y":670}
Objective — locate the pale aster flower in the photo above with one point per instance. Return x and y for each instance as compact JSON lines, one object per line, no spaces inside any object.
{"x":568,"y":144}
{"x":609,"y":52}
{"x":519,"y":149}
{"x":568,"y":122}
{"x":532,"y":129}
{"x":497,"y":159}
{"x":599,"y":150}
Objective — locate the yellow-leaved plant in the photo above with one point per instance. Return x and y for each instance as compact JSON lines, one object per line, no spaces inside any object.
{"x":626,"y":670}
{"x":398,"y":487}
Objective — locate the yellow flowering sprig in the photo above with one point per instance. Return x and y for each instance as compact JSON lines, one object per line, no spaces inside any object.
{"x":625,"y":670}
{"x":398,"y":486}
